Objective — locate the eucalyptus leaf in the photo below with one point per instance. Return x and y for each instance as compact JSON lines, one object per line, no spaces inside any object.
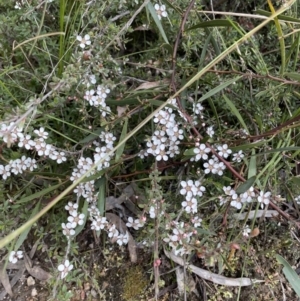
{"x":246,"y":185}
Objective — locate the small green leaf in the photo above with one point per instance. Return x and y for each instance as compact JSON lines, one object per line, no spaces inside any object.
{"x":189,"y":152}
{"x":246,"y":185}
{"x":290,"y":274}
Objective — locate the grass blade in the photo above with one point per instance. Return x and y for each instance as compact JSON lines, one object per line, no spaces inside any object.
{"x":235,"y":112}
{"x":157,"y":21}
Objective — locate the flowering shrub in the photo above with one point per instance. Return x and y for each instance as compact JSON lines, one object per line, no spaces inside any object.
{"x":85,"y":123}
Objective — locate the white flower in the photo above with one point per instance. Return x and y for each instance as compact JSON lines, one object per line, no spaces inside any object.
{"x":161,"y":117}
{"x":15,"y":256}
{"x":25,"y":141}
{"x":236,"y":202}
{"x":175,"y":133}
{"x":196,"y":221}
{"x":135,"y":224}
{"x":5,"y":171}
{"x":210,"y":166}
{"x":159,"y":137}
{"x":248,"y":195}
{"x":198,"y":108}
{"x":67,"y":229}
{"x":113,"y":232}
{"x":76,"y":219}
{"x":91,"y":80}
{"x":187,"y":188}
{"x":65,"y":268}
{"x":94,"y":211}
{"x":160,"y":153}
{"x":201,"y":152}
{"x":16,"y":167}
{"x":123,"y":239}
{"x":59,"y":157}
{"x":220,"y":166}
{"x":224,"y":151}
{"x":152,"y":212}
{"x":84,"y":41}
{"x":198,"y":189}
{"x":246,"y":231}
{"x":102,"y":91}
{"x":108,"y":138}
{"x":177,"y":235}
{"x":18,"y":4}
{"x":190,"y":205}
{"x":31,"y":164}
{"x":88,"y":95}
{"x":210,"y":132}
{"x":228,"y":190}
{"x":161,"y":11}
{"x":264,"y":198}
{"x":238,"y":156}
{"x":71,"y":207}
{"x":10,"y":133}
{"x":41,"y":133}
{"x":99,"y":223}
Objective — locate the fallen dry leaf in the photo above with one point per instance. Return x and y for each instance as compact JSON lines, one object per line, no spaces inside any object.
{"x":5,"y":280}
{"x":121,"y":110}
{"x":120,"y":225}
{"x":148,"y":85}
{"x":215,"y":278}
{"x":254,"y":213}
{"x":35,"y":271}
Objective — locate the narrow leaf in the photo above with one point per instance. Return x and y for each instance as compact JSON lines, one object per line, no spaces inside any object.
{"x":4,"y":279}
{"x":219,"y":88}
{"x":91,"y":136}
{"x":120,"y":150}
{"x":290,"y":274}
{"x":235,"y":112}
{"x":293,"y":75}
{"x":252,"y":165}
{"x":24,"y":234}
{"x":212,"y":23}
{"x":157,"y":21}
{"x":85,"y":212}
{"x":101,"y":183}
{"x":39,"y":194}
{"x":280,"y":17}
